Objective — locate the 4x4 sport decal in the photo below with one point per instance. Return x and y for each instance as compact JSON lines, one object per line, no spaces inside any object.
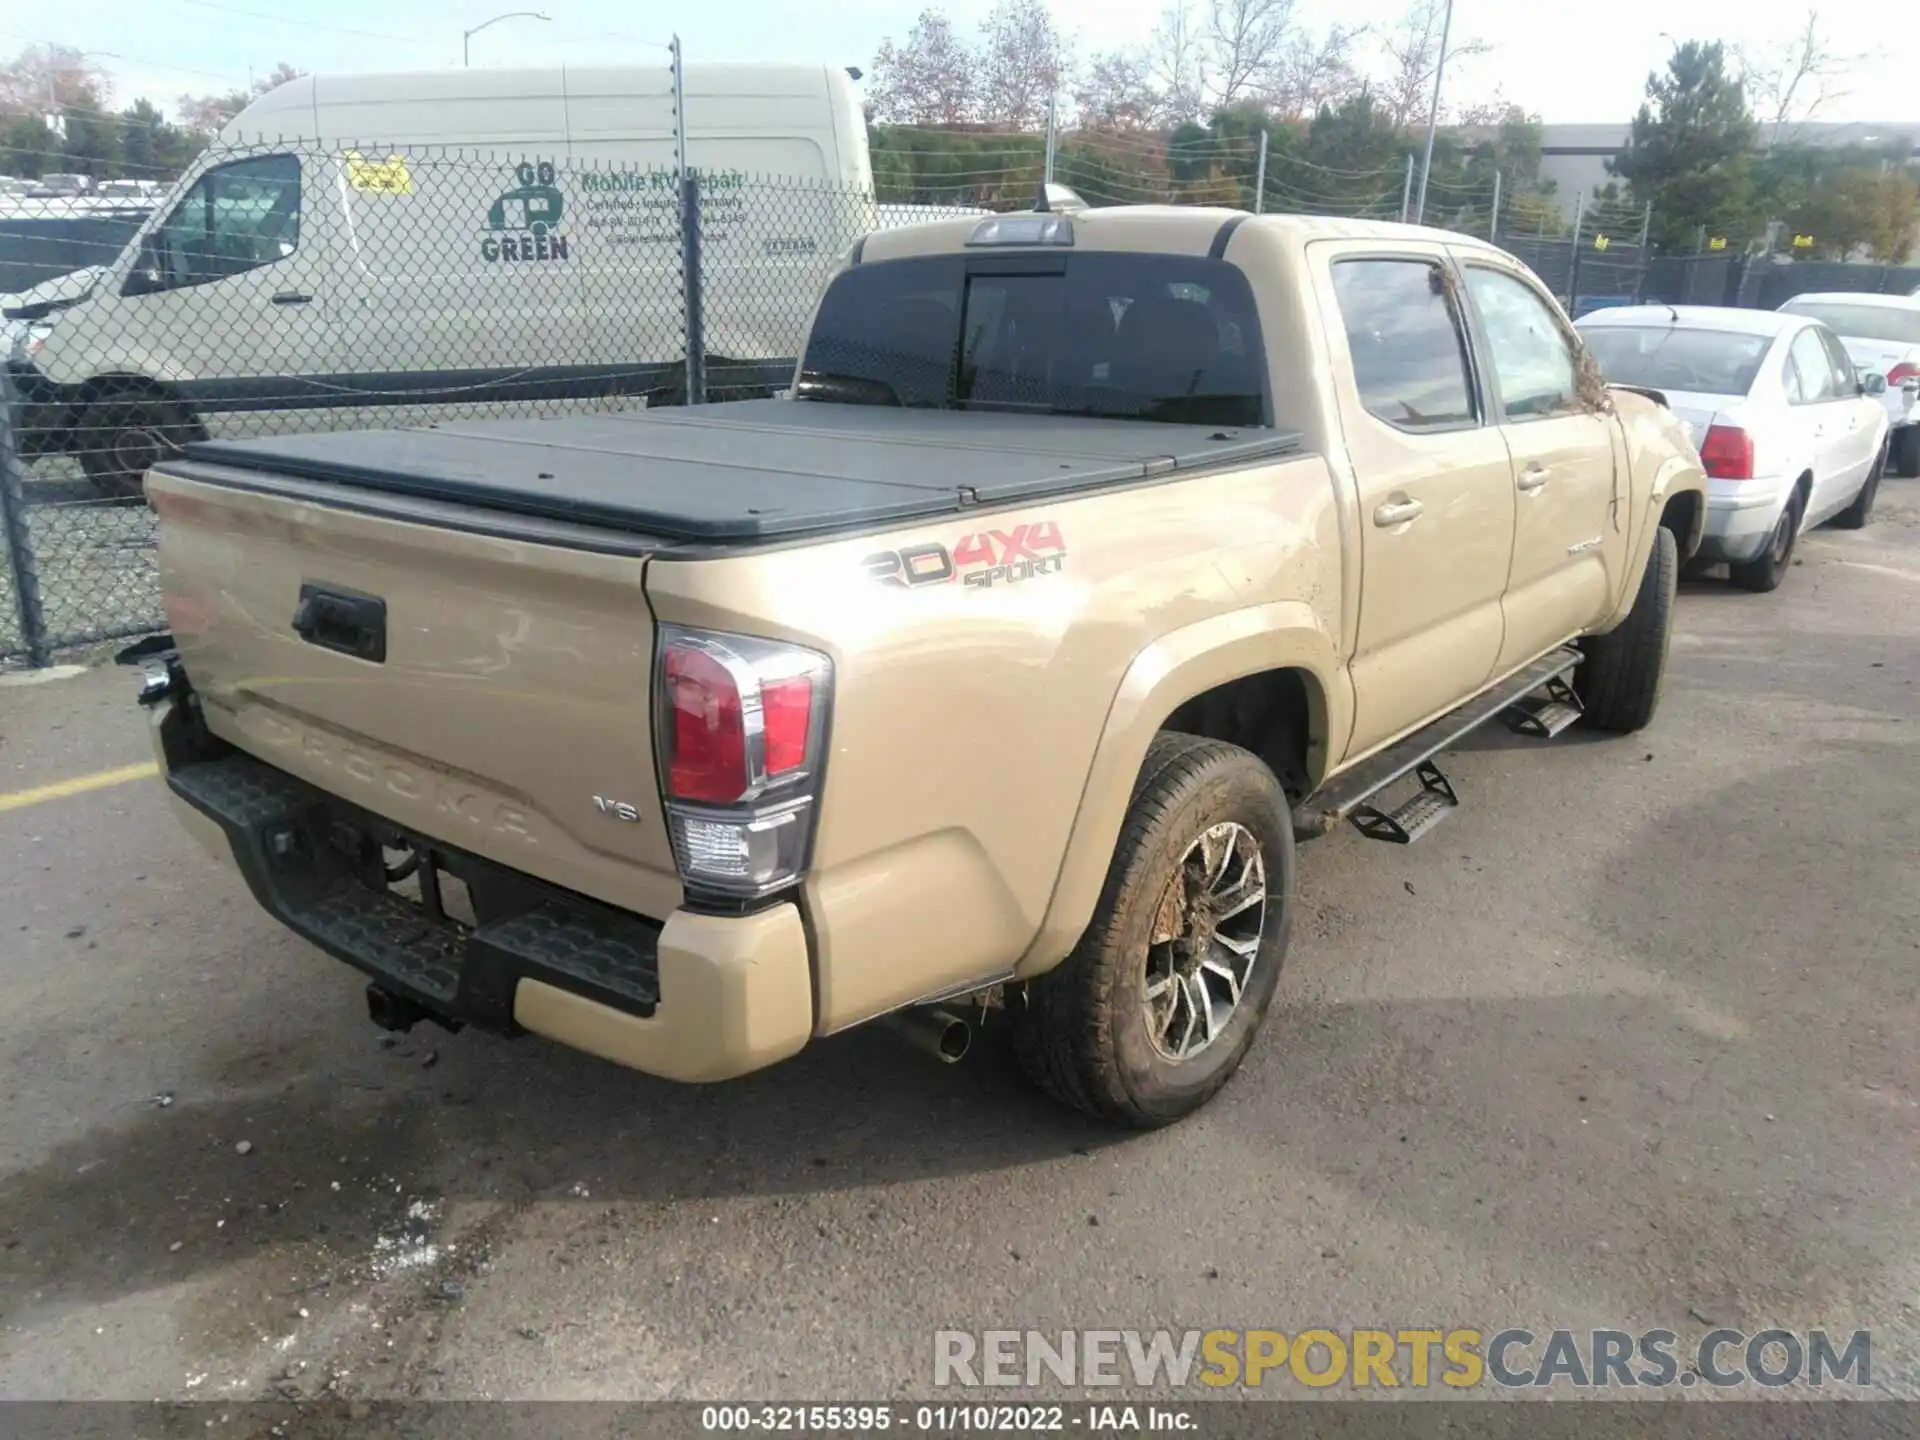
{"x":982,"y":559}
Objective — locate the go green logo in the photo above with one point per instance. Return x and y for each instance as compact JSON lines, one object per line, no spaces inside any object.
{"x":530,"y":215}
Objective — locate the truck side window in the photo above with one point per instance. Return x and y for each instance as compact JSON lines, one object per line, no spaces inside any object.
{"x":1533,"y":359}
{"x":1408,"y":348}
{"x":236,"y":218}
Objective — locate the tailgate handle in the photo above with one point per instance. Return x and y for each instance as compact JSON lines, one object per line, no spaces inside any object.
{"x":342,"y":620}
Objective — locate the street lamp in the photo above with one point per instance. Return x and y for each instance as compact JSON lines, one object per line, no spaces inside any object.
{"x":1433,"y":115}
{"x":466,"y":36}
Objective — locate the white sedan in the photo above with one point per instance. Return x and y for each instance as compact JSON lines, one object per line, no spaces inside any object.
{"x":1882,"y":334}
{"x":1790,"y":434}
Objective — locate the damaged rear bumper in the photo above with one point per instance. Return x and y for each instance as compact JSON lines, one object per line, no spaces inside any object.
{"x":698,"y":997}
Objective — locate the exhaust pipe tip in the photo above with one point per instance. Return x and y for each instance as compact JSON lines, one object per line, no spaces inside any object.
{"x":936,"y":1032}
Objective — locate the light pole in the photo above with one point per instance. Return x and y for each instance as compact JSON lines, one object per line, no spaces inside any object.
{"x":1433,"y":115}
{"x":466,"y":36}
{"x":56,"y":116}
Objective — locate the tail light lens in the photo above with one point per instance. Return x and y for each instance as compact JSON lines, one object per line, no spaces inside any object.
{"x":1905,"y":373}
{"x":1727,"y":453}
{"x":741,"y":728}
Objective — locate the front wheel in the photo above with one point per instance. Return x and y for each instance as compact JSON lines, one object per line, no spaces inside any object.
{"x":123,"y":436}
{"x":1856,"y":515}
{"x":1157,"y":1005}
{"x":1620,"y":681}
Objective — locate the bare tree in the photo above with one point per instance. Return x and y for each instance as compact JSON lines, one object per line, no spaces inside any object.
{"x":1023,"y":63}
{"x":206,"y":115}
{"x":1411,"y":49}
{"x":46,"y":79}
{"x":1314,"y":71}
{"x":1177,"y":65}
{"x":928,"y":80}
{"x":1247,"y":39}
{"x":1116,"y":92}
{"x":1792,"y":80}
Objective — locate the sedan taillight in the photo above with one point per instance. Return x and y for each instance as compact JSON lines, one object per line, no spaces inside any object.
{"x":1905,"y":373}
{"x":741,"y":728}
{"x":1727,"y":453}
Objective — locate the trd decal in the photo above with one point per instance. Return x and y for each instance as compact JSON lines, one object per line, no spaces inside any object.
{"x":981,"y":560}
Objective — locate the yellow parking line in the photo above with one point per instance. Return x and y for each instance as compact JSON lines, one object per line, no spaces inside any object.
{"x":78,"y":785}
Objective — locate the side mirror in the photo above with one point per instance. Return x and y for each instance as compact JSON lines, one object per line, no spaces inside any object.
{"x":1873,"y":383}
{"x":147,"y":275}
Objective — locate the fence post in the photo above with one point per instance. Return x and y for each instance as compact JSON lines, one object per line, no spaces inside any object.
{"x":1260,"y":178}
{"x":696,"y":309}
{"x":13,"y":516}
{"x":1406,"y":189}
{"x":1573,"y":265}
{"x":1493,"y":219}
{"x":1046,"y":172}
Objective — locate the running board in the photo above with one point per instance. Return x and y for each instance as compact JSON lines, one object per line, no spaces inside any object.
{"x":1346,"y":793}
{"x":1543,"y":717}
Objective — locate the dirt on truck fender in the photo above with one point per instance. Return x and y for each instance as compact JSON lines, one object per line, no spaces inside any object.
{"x":1094,"y":558}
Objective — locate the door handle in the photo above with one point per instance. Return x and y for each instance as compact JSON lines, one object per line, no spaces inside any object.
{"x":1398,"y":512}
{"x":288,"y":297}
{"x":1532,"y":478}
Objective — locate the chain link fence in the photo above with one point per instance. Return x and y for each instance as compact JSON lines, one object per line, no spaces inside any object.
{"x":305,"y":287}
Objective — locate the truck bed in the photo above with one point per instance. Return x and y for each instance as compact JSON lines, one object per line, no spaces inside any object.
{"x":747,"y":472}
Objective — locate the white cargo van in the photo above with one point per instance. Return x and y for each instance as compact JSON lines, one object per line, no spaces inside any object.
{"x":454,"y":242}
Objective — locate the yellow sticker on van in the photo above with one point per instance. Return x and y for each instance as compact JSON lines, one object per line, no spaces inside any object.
{"x":379,"y":177}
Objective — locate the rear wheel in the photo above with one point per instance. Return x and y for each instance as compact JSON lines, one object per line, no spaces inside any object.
{"x":1620,"y":681}
{"x":1856,"y":515}
{"x":122,"y":436}
{"x":1157,"y":1005}
{"x":1765,"y":573}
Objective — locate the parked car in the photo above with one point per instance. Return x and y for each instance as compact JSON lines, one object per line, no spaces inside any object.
{"x":1789,"y":434}
{"x":1881,"y":333}
{"x":513,"y":240}
{"x":825,"y":731}
{"x":130,"y":192}
{"x":60,"y":187}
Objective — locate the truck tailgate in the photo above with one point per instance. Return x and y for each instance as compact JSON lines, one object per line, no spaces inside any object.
{"x":521,"y":668}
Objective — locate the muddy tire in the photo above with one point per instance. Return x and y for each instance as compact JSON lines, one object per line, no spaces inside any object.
{"x":122,"y":436}
{"x":1856,"y":515}
{"x":1157,"y":1005}
{"x":1770,"y":568}
{"x":1620,"y":681}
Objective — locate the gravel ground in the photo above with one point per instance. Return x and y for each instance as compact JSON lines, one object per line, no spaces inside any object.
{"x":1629,"y":1042}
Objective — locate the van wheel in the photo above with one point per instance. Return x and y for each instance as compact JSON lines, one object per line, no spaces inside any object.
{"x":123,"y":436}
{"x":1620,"y":681}
{"x":1158,"y":1003}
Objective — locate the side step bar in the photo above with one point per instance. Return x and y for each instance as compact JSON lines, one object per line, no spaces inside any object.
{"x":1347,"y":795}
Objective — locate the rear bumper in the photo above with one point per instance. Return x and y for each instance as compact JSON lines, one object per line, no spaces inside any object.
{"x":1741,"y":516}
{"x":698,"y":998}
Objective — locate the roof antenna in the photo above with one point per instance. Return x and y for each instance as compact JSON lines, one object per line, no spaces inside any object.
{"x":1672,"y":313}
{"x":1040,"y":204}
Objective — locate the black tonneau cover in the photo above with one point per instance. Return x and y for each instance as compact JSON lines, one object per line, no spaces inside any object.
{"x":754,"y":470}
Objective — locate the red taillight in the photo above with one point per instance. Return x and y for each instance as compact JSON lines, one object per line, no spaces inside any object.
{"x":786,"y":710}
{"x":707,"y":743}
{"x":1727,"y":453}
{"x":1903,"y":372}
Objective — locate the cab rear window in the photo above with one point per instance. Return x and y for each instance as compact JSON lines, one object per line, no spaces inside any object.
{"x":1135,"y":336}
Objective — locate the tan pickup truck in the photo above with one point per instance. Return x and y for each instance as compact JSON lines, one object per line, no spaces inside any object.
{"x":1094,"y":556}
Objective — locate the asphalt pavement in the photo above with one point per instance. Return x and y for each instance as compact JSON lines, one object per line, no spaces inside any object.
{"x":1629,"y":1042}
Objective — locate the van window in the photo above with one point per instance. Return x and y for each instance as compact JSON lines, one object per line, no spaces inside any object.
{"x":1166,"y":338}
{"x":236,"y":218}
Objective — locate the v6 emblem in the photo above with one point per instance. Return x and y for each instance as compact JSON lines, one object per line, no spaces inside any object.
{"x":616,"y":809}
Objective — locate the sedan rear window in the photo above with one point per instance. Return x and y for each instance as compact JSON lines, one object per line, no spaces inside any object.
{"x":1167,"y":338}
{"x":1665,"y":357}
{"x":1894,"y":324}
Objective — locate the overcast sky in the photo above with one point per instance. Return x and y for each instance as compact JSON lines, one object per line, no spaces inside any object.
{"x":1585,"y":63}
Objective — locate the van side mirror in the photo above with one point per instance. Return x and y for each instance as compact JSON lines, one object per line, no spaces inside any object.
{"x":147,"y":275}
{"x":1873,"y":383}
